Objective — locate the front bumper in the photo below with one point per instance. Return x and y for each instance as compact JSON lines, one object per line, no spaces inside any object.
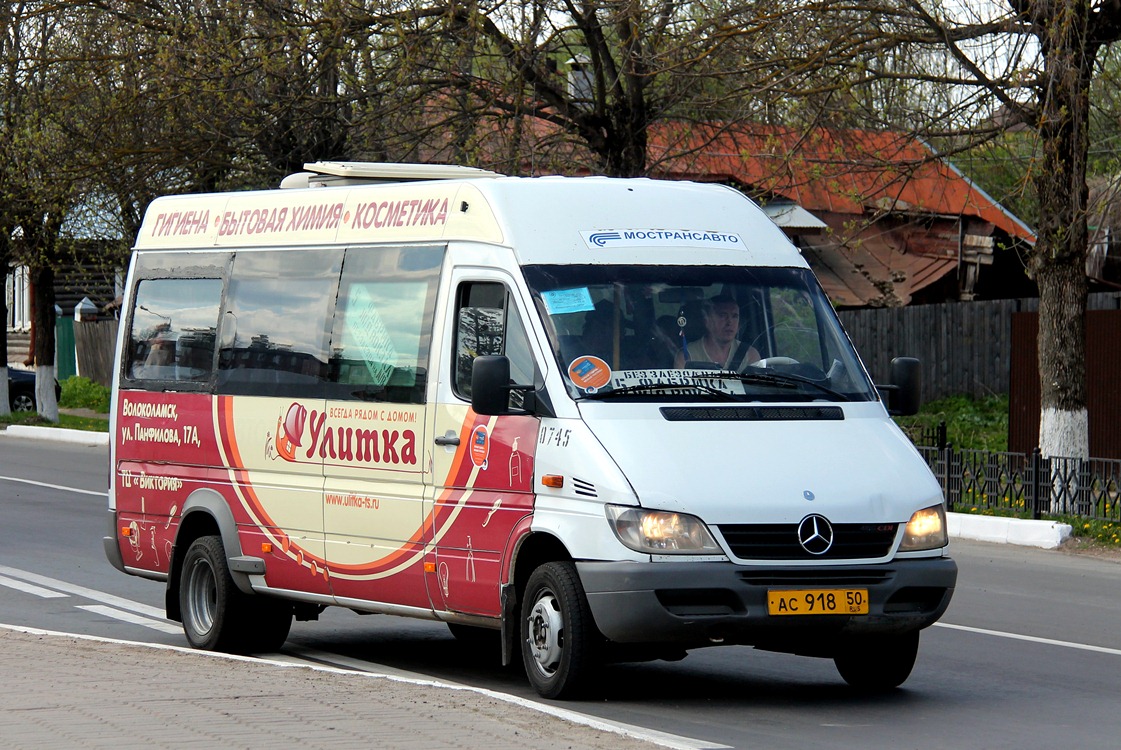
{"x":698,"y":604}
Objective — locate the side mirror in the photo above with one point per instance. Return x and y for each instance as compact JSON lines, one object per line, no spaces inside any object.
{"x":905,"y":392}
{"x":491,"y":387}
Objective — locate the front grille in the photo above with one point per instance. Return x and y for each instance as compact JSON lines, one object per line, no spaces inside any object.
{"x":817,"y":577}
{"x":779,"y":541}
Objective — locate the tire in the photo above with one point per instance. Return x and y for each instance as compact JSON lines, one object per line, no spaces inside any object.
{"x":878,"y":663}
{"x":23,"y":402}
{"x":217,"y":616}
{"x":273,"y":619}
{"x":558,"y":635}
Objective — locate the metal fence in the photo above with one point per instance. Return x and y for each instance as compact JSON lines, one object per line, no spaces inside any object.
{"x":1023,"y":484}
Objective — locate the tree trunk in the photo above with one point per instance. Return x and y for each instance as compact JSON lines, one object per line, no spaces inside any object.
{"x":5,"y":406}
{"x":5,"y":394}
{"x":46,"y":403}
{"x":1058,"y":263}
{"x":1063,"y":425}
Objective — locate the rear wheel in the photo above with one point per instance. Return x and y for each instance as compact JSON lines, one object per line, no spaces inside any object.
{"x":557,"y":632}
{"x":273,"y":619}
{"x":217,"y":616}
{"x":878,"y":663}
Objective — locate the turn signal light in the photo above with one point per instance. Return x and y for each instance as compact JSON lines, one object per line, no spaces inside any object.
{"x":266,"y":547}
{"x":430,"y":567}
{"x":555,"y":481}
{"x":126,"y":531}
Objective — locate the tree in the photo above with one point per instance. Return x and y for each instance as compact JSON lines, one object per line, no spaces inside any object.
{"x":544,"y":74}
{"x":1051,"y":95}
{"x":34,"y":196}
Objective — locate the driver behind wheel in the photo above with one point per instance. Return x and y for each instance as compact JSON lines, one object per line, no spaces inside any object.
{"x":719,"y":344}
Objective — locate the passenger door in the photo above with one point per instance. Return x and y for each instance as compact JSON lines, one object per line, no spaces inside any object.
{"x":482,"y":466}
{"x":274,"y":338}
{"x":373,"y":438}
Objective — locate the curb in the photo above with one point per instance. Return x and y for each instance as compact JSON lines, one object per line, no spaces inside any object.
{"x":1024,"y":532}
{"x":58,"y":434}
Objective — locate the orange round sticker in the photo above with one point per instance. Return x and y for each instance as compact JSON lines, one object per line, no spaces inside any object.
{"x":589,"y":372}
{"x":480,"y":446}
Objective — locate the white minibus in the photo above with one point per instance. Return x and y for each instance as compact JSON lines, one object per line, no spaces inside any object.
{"x":604,"y":419}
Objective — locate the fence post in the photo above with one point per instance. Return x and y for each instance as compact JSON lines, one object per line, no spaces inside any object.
{"x":1084,"y":504}
{"x":1035,"y":472}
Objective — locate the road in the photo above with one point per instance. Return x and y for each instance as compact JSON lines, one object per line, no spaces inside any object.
{"x":1028,"y":656}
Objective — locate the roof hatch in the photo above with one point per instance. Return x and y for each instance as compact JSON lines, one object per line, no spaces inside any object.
{"x":343,"y":173}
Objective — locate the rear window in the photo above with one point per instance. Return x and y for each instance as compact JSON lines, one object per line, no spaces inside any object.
{"x":173,"y":330}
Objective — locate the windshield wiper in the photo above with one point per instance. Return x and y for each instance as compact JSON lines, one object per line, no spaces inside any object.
{"x":654,"y":388}
{"x":778,"y":380}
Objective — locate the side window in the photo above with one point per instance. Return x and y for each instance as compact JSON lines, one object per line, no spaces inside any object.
{"x":487,"y":322}
{"x":173,"y":330}
{"x":383,"y":324}
{"x":276,"y":328}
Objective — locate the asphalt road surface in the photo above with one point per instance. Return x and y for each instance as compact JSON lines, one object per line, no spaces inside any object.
{"x":1028,"y":655}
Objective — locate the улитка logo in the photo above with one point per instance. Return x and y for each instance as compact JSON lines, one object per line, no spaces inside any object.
{"x":290,"y":431}
{"x":310,"y":431}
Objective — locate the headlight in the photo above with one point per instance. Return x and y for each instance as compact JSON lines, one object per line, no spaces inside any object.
{"x":925,"y":530}
{"x":659,"y":532}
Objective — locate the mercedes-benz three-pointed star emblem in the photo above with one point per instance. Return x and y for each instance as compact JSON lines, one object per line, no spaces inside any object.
{"x":815,"y":534}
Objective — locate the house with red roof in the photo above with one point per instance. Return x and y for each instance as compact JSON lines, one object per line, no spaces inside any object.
{"x":881,"y":217}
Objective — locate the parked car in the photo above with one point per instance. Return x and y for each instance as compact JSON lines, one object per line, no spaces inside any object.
{"x":21,"y":390}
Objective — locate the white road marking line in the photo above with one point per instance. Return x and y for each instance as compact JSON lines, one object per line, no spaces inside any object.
{"x":94,"y":594}
{"x":616,"y":727}
{"x":346,"y":662}
{"x":117,"y":614}
{"x":28,"y":588}
{"x":1032,"y":639}
{"x":54,"y":486}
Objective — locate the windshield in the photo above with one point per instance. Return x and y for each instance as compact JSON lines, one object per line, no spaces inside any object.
{"x":697,"y":333}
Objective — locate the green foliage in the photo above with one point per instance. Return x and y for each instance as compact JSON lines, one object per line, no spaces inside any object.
{"x":1094,"y":529}
{"x":65,"y":421}
{"x":970,"y":424}
{"x":83,"y":393}
{"x":1003,"y":168}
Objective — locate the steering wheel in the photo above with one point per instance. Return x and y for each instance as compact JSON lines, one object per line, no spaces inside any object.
{"x":772,"y":361}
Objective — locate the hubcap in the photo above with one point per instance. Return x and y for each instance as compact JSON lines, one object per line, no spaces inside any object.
{"x":202,"y":597}
{"x":546,"y":632}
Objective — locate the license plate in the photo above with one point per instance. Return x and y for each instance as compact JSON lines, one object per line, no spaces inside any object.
{"x":817,"y":602}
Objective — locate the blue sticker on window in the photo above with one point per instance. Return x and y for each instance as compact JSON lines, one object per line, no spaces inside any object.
{"x":560,"y":301}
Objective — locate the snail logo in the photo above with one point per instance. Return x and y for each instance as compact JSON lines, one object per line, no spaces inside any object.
{"x":290,"y":431}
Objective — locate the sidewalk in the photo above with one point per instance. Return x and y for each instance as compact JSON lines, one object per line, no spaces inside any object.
{"x":64,"y":691}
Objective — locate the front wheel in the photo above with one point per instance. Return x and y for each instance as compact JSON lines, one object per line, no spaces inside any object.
{"x":878,"y":663}
{"x":557,"y":631}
